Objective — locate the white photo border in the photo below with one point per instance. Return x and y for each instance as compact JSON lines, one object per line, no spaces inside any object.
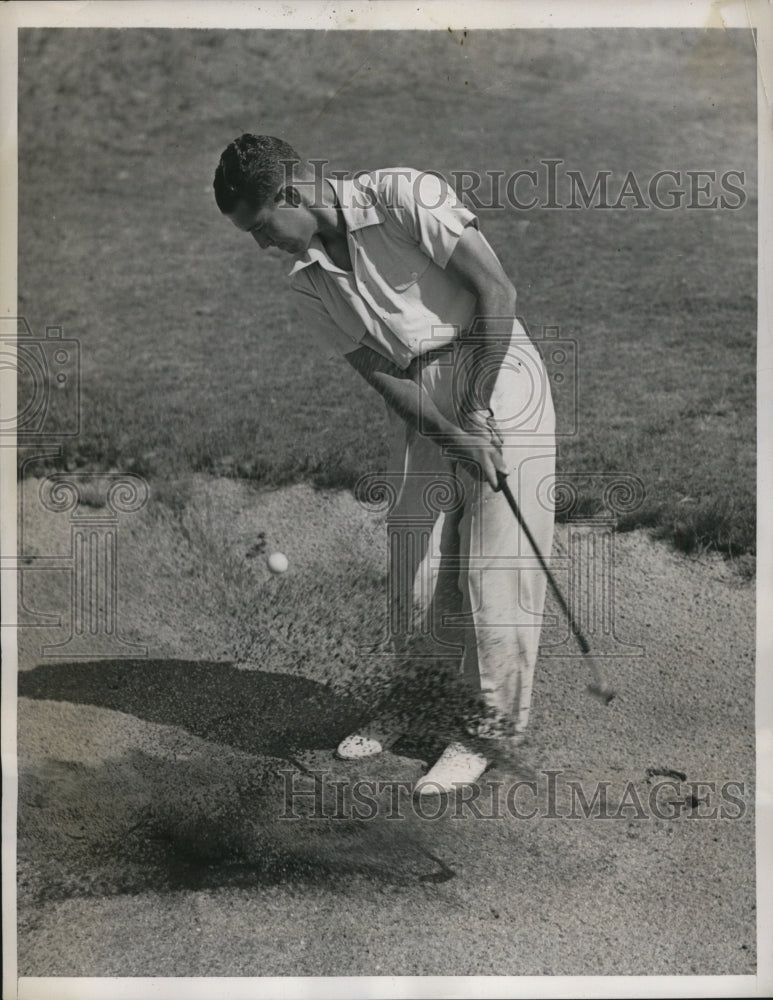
{"x":755,"y":15}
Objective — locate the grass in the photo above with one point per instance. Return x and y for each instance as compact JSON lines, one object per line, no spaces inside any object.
{"x":192,"y":355}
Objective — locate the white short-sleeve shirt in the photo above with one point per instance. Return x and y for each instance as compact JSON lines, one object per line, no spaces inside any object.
{"x":402,"y":227}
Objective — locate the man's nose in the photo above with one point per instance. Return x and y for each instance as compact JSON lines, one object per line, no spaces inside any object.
{"x":262,"y":240}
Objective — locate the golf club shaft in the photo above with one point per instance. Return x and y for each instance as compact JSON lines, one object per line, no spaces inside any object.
{"x":599,"y":686}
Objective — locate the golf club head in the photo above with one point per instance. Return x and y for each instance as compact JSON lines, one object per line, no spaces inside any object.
{"x":604,"y":694}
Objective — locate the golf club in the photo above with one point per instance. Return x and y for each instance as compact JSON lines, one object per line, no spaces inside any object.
{"x":599,"y":687}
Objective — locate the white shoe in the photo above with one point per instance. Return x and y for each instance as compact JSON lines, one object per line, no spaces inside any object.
{"x":369,"y":741}
{"x":456,"y":766}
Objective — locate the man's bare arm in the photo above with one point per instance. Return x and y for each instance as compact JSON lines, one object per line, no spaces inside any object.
{"x":474,"y":265}
{"x":409,"y":400}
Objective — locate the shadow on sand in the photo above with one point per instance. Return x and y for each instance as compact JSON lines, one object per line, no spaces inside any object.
{"x":245,"y":709}
{"x":200,"y":815}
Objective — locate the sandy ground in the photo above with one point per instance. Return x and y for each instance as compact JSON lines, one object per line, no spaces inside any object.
{"x":151,"y":837}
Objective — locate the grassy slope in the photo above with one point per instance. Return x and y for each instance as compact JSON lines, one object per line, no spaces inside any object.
{"x":192,"y":358}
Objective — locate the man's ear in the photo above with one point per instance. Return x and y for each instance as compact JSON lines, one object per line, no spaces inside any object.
{"x":290,"y":195}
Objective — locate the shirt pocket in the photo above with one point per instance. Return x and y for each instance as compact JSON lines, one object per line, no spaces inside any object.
{"x":394,"y":259}
{"x":403,"y":271}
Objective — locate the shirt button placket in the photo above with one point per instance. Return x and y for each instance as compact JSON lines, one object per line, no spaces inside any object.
{"x":355,"y":263}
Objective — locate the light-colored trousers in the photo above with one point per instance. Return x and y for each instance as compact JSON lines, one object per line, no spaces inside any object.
{"x":464,"y":581}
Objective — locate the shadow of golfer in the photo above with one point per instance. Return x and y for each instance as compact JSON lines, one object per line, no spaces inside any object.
{"x":246,"y":709}
{"x":139,"y":820}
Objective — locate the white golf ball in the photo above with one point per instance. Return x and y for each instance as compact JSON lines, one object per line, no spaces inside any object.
{"x":277,"y":562}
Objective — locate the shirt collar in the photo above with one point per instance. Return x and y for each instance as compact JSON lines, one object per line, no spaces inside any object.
{"x":358,"y":203}
{"x":316,"y":254}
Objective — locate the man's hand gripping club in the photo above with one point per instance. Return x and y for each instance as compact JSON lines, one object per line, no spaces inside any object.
{"x":475,"y":442}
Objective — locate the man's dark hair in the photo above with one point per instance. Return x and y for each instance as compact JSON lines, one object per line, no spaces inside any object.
{"x":251,"y":169}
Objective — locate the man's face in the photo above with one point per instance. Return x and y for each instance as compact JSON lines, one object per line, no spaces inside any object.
{"x":289,"y":227}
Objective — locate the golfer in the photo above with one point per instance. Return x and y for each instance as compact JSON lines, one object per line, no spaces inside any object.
{"x":392,"y":269}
